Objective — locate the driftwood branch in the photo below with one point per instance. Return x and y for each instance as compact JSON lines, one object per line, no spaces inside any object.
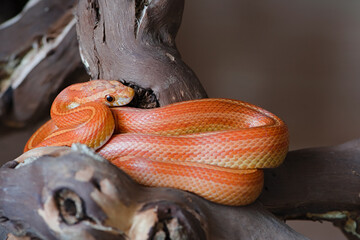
{"x":134,"y":41}
{"x":315,"y":180}
{"x":38,"y":55}
{"x":318,"y":184}
{"x":285,"y":195}
{"x":73,"y":194}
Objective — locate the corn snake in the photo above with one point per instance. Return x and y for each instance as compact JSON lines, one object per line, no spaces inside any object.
{"x":215,"y":148}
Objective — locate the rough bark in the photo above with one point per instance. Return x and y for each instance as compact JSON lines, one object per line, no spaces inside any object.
{"x":38,"y":55}
{"x":134,"y":41}
{"x":328,"y":190}
{"x":318,"y":184}
{"x":75,"y":194}
{"x":315,"y":180}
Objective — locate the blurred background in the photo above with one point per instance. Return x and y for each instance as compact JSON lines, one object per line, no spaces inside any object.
{"x":299,"y":59}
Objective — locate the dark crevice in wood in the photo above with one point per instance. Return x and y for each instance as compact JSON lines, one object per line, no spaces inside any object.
{"x":95,"y":6}
{"x":3,"y":219}
{"x":144,"y":97}
{"x":104,"y":33}
{"x":10,"y":164}
{"x":140,"y":10}
{"x":9,"y":8}
{"x":70,"y":206}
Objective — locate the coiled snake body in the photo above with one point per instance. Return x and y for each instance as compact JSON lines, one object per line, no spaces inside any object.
{"x":215,"y":148}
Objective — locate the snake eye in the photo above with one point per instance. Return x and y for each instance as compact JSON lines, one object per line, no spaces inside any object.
{"x":109,"y":98}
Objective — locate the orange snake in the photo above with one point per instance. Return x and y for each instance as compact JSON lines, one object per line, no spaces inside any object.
{"x":215,"y":148}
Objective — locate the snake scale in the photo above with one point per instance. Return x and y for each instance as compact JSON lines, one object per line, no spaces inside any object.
{"x":213,"y":147}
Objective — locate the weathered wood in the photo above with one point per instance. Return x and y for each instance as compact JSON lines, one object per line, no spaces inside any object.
{"x":134,"y":41}
{"x":38,"y":55}
{"x":318,"y":184}
{"x":325,"y":198}
{"x":74,"y":194}
{"x":315,"y":180}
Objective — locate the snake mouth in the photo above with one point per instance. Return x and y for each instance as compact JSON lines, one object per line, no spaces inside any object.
{"x":120,"y":98}
{"x":123,"y":100}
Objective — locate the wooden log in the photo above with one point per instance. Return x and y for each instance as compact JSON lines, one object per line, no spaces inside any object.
{"x":328,"y":191}
{"x":75,"y":194}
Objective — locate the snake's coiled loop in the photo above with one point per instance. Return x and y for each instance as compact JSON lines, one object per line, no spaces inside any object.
{"x":215,"y":148}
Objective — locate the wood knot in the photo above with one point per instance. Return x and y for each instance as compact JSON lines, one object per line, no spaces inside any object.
{"x":70,"y":206}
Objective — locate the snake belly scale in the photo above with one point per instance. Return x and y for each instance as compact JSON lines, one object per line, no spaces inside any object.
{"x":213,"y":147}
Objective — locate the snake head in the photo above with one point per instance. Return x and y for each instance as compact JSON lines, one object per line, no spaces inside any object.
{"x":116,"y":94}
{"x":112,"y":93}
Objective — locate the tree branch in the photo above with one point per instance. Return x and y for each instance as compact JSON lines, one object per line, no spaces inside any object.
{"x":134,"y":41}
{"x":38,"y":56}
{"x":74,"y":194}
{"x":318,"y":184}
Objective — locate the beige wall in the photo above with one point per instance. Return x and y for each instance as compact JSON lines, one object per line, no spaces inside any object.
{"x":299,"y":59}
